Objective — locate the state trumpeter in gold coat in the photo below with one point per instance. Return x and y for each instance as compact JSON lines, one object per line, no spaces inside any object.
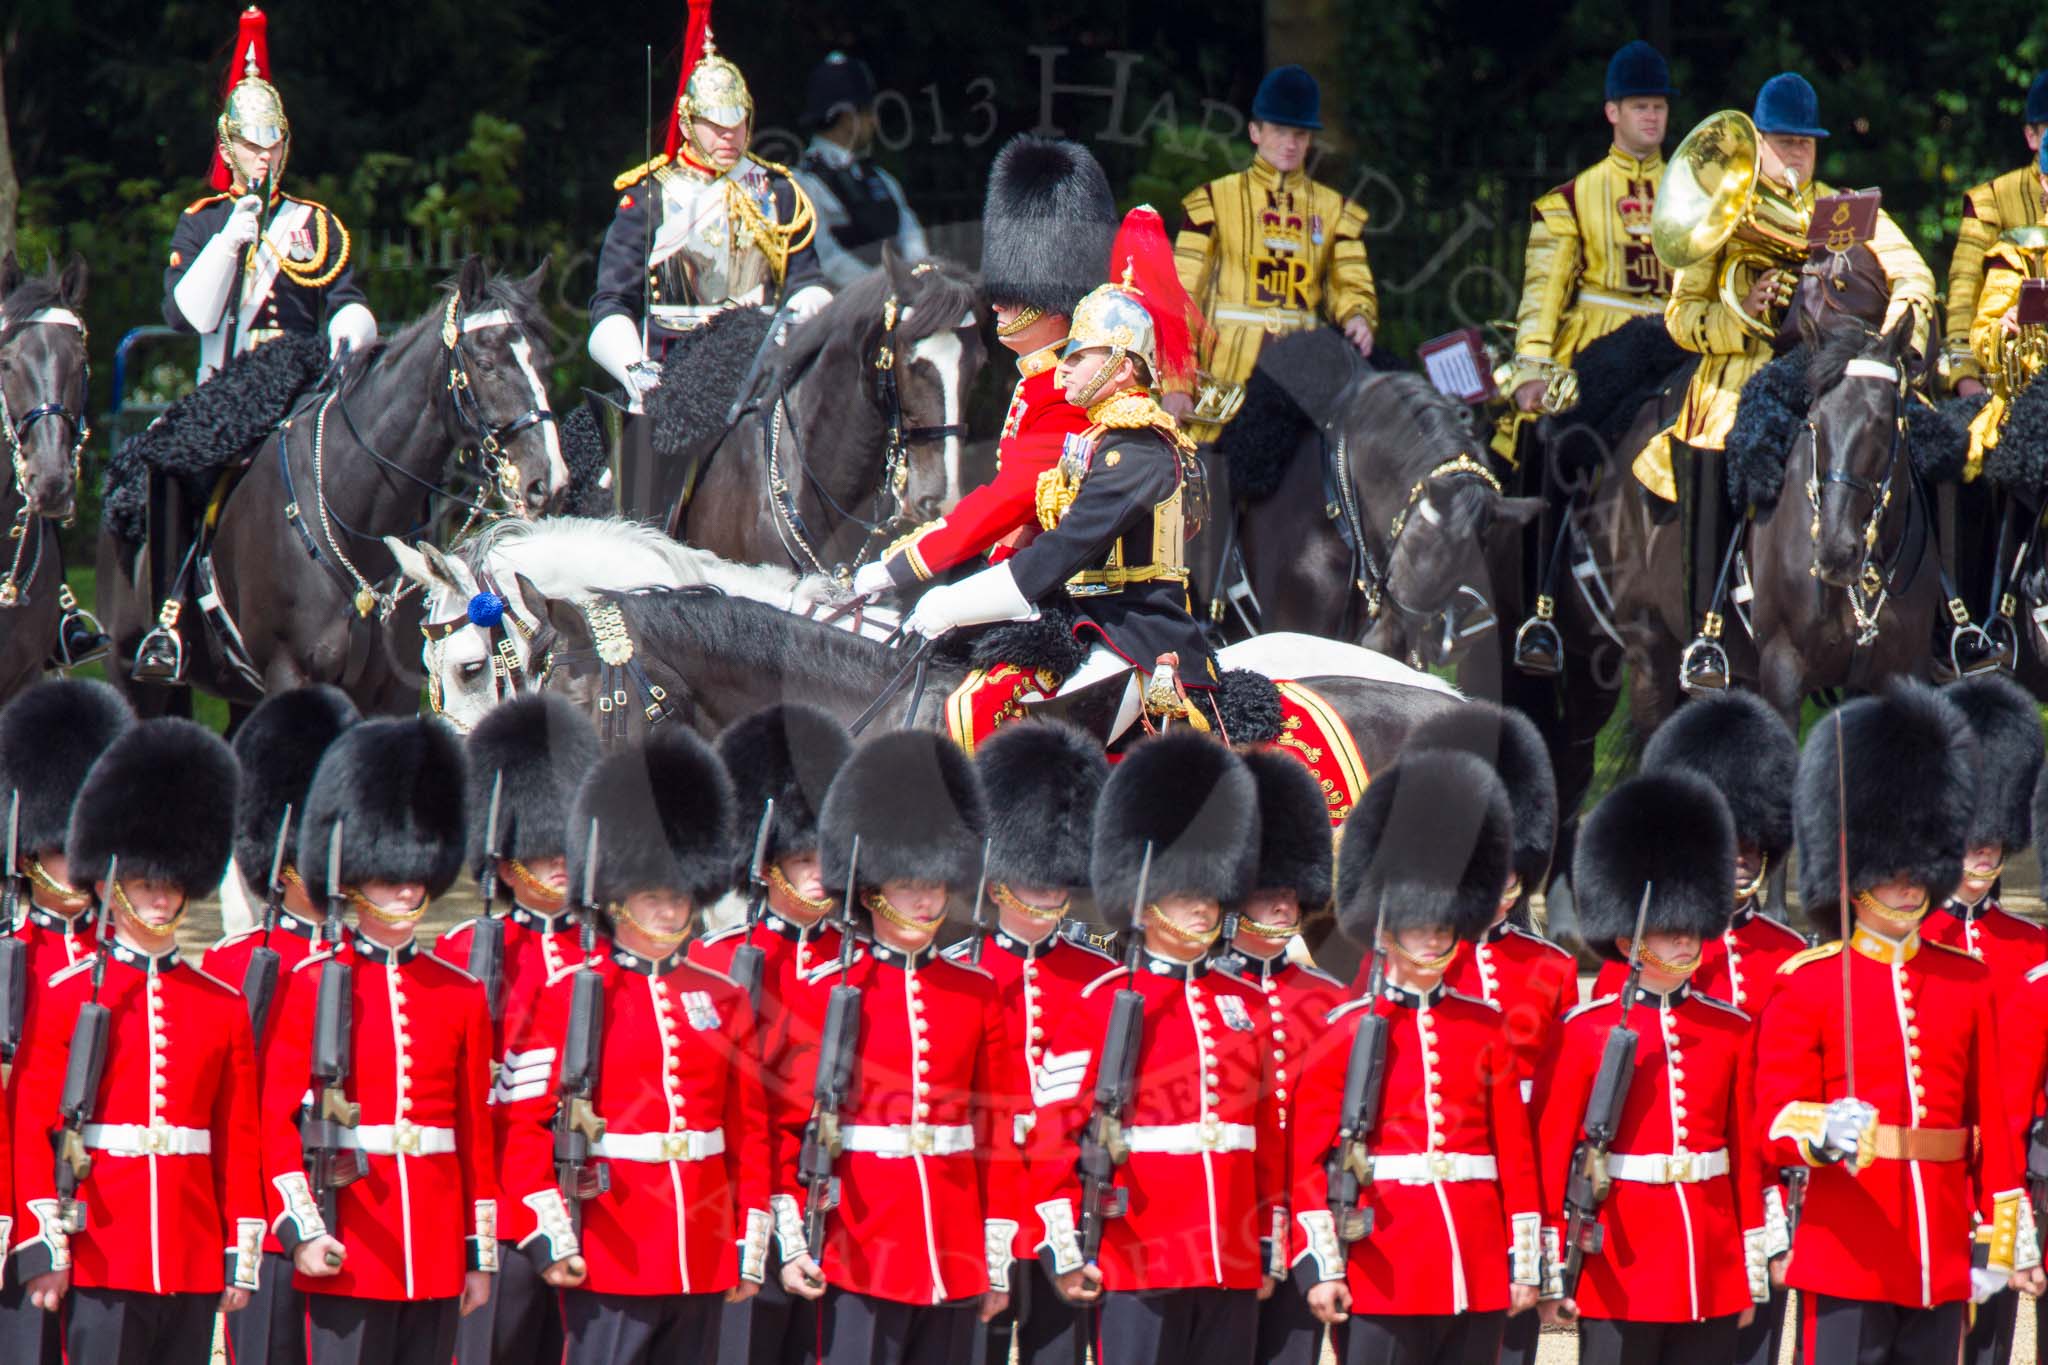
{"x":1589,"y":268}
{"x":2007,"y":201}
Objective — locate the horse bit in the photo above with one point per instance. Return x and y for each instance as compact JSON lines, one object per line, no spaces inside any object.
{"x":17,"y":438}
{"x":1868,"y":594}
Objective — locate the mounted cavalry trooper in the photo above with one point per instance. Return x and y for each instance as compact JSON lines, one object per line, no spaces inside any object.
{"x":533,"y":751}
{"x":1879,"y":1093}
{"x":678,"y":1225}
{"x":249,"y":262}
{"x":788,"y":753}
{"x":150,"y":1219}
{"x":1452,"y":1204}
{"x":1047,"y":228}
{"x":703,"y":227}
{"x":50,"y":737}
{"x":1112,"y":511}
{"x":279,"y":749}
{"x":1683,"y":1260}
{"x":413,"y":1238}
{"x":1990,"y":210}
{"x":859,"y":205}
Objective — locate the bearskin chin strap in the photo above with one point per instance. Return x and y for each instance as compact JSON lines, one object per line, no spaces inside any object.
{"x":1010,"y":900}
{"x":1272,"y":933}
{"x":134,"y":917}
{"x":1436,"y":966}
{"x":69,"y":898}
{"x":1180,"y":935}
{"x":1899,"y":919}
{"x":818,"y":906}
{"x":1680,"y":969}
{"x":668,"y":942}
{"x":397,"y":918}
{"x":1024,"y":318}
{"x":1745,"y":894}
{"x":525,"y":883}
{"x":878,"y":904}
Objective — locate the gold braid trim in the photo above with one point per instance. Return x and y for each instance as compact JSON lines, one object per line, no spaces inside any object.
{"x":365,"y":906}
{"x":778,"y":241}
{"x":68,"y":897}
{"x":1130,"y":411}
{"x":773,"y":875}
{"x":1010,"y":900}
{"x":878,"y":904}
{"x":305,"y":276}
{"x":1180,"y":935}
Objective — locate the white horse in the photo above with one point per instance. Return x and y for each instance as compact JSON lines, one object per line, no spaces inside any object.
{"x":472,"y":591}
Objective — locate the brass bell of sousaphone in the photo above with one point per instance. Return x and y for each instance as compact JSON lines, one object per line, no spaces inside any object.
{"x":1714,"y":190}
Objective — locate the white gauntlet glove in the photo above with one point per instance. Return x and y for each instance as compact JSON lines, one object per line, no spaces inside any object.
{"x":202,"y":291}
{"x":615,"y":345}
{"x":871,"y":580}
{"x":990,"y":595}
{"x":1848,"y":1123}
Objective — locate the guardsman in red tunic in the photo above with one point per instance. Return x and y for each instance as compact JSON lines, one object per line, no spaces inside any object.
{"x":2023,"y":1053}
{"x":158,"y":1223}
{"x":1454,"y":1243}
{"x":279,"y":748}
{"x":790,"y":753}
{"x":929,"y":1174}
{"x":1883,"y":1252}
{"x":416,"y":1237}
{"x":1291,"y":892}
{"x":1202,"y":1236}
{"x":678,"y":1225}
{"x":534,"y":750}
{"x":1683,"y":1260}
{"x":49,"y":737}
{"x":1046,"y":232}
{"x":1045,"y":777}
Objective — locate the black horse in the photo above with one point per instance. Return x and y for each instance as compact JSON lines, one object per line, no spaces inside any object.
{"x":297,"y":555}
{"x":43,"y":383}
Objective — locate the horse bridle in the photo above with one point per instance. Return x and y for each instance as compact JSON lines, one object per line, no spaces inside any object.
{"x":1867,"y":595}
{"x":1461,"y":466}
{"x":488,"y":610}
{"x":489,"y":441}
{"x":618,"y":668}
{"x":17,"y":442}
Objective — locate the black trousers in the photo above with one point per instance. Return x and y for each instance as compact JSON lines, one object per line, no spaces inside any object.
{"x":27,"y":1333}
{"x":132,"y":1327}
{"x":1288,"y":1332}
{"x":346,"y":1331}
{"x":1518,"y":1339}
{"x":271,"y":1330}
{"x":1859,"y":1332}
{"x":1046,"y":1328}
{"x":520,"y":1325}
{"x":859,"y":1330}
{"x":772,"y":1328}
{"x":1177,"y":1327}
{"x":1990,"y":1338}
{"x":640,"y":1329}
{"x":1424,"y":1339}
{"x":1757,"y":1344}
{"x":1606,"y":1341}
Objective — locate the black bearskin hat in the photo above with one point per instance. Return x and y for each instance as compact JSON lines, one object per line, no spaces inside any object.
{"x":542,"y":745}
{"x":1745,"y":750}
{"x":398,"y":785}
{"x":1508,"y":742}
{"x":1197,"y":804}
{"x":1433,"y":839}
{"x":1296,"y":852}
{"x":50,"y":736}
{"x":279,"y":747}
{"x":664,"y":813}
{"x":1045,"y":777}
{"x":162,"y":800}
{"x":1909,"y":761}
{"x":789,"y":752}
{"x":2007,"y":725}
{"x":916,"y":805}
{"x":1047,"y":225}
{"x":1668,"y":830}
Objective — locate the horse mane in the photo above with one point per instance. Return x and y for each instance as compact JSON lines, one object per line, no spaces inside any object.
{"x":1419,"y":427}
{"x":777,"y":645}
{"x":1831,"y":360}
{"x":935,"y":295}
{"x":502,"y":292}
{"x":31,"y":296}
{"x":588,"y":543}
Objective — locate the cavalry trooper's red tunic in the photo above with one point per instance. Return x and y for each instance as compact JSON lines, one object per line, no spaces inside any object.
{"x":1685,"y":1220}
{"x":173,"y":1203}
{"x":990,"y":518}
{"x":685,"y":1135}
{"x":1455,"y":1198}
{"x":427,"y":1209}
{"x":1208,"y":1165}
{"x":1898,"y":1231}
{"x":930,"y":1177}
{"x":1740,"y":966}
{"x":536,"y":947}
{"x":2010,"y":946}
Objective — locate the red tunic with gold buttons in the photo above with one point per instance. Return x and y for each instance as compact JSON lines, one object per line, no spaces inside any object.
{"x":2023,"y":1052}
{"x":990,"y":518}
{"x":1455,"y":1199}
{"x":1297,"y":1001}
{"x":1899,"y":1230}
{"x":2010,"y":946}
{"x":536,"y":947}
{"x":931,"y":1174}
{"x":1206,"y":1179}
{"x":54,"y":943}
{"x":679,"y":1090}
{"x":1684,"y":1222}
{"x":427,"y":1209}
{"x":173,"y":1204}
{"x":1740,"y":966}
{"x":1534,"y":982}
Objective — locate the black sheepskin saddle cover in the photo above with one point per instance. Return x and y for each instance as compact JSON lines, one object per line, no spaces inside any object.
{"x":1293,"y":392}
{"x":588,"y":455}
{"x":1617,"y":375}
{"x":218,"y":424}
{"x":2019,"y":462}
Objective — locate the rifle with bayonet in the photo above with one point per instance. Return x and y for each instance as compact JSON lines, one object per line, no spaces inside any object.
{"x":838,"y":1048}
{"x":746,"y":959}
{"x":578,"y":1128}
{"x":1588,"y":1183}
{"x":487,"y":934}
{"x":13,"y":951}
{"x":85,"y":1064}
{"x":333,"y":1158}
{"x":980,"y":920}
{"x":259,"y":977}
{"x":1102,"y":1139}
{"x":1349,"y":1167}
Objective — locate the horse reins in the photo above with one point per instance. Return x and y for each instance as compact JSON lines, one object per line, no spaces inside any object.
{"x":1873,"y":585}
{"x":17,"y":440}
{"x":1462,"y":466}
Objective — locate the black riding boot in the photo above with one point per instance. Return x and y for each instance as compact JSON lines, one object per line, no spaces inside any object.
{"x":1707,"y":523}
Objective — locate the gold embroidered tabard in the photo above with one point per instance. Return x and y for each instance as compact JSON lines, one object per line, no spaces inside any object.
{"x":2012,"y":200}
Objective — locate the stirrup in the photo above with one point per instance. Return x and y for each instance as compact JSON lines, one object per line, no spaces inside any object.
{"x":1468,"y":617}
{"x":1539,"y":649}
{"x":160,"y":657}
{"x":1703,"y":667}
{"x":2004,"y":636}
{"x":1972,"y":651}
{"x":82,"y":627}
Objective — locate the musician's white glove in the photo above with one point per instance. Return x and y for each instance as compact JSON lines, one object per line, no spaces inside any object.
{"x":1984,"y":1283}
{"x":245,"y":224}
{"x":871,"y":580}
{"x":1847,"y":1124}
{"x":806,"y":302}
{"x":990,"y":595}
{"x":615,"y":345}
{"x":201,"y":293}
{"x":353,"y":326}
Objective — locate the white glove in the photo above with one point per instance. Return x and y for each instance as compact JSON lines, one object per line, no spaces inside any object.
{"x":353,"y":326}
{"x":615,"y":345}
{"x":1985,"y":1283}
{"x":871,"y":580}
{"x":990,"y":595}
{"x":202,"y":291}
{"x":807,"y":301}
{"x":245,"y":224}
{"x":1847,"y":1120}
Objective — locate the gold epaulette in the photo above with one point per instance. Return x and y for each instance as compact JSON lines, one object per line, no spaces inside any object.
{"x":1815,"y":954}
{"x":766,"y":164}
{"x":640,"y":172}
{"x":1950,"y":948}
{"x":1133,"y":412}
{"x":203,"y":201}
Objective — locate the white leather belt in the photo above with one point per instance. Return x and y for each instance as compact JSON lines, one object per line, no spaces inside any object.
{"x":658,"y":1147}
{"x":908,"y":1139}
{"x":1192,"y":1139}
{"x":153,"y":1139}
{"x":396,"y":1139}
{"x":1427,"y":1168}
{"x":1272,"y":319}
{"x":1644,"y":305}
{"x":1667,"y":1168}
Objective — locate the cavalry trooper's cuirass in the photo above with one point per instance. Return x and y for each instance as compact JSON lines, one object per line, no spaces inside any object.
{"x":704,"y":254}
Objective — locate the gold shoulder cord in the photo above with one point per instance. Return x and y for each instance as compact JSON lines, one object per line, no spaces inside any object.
{"x":778,"y":241}
{"x":309,"y":276}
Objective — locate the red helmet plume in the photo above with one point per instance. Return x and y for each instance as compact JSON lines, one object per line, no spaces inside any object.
{"x":1141,"y":258}
{"x":251,"y":57}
